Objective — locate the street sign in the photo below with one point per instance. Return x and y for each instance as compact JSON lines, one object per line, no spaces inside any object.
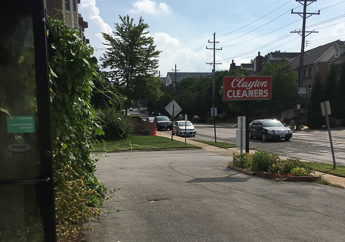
{"x":302,"y":90}
{"x":214,"y":111}
{"x":173,"y":108}
{"x":247,"y":88}
{"x":328,"y":106}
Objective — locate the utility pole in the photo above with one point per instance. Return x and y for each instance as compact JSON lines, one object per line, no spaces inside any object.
{"x":303,"y":34}
{"x":214,"y":81}
{"x":172,"y":119}
{"x":175,"y":83}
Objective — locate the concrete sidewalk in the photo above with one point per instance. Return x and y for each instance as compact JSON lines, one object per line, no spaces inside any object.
{"x":229,"y":153}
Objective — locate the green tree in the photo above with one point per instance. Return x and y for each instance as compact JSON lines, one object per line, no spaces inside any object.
{"x":331,"y":91}
{"x":131,"y":58}
{"x":284,"y":86}
{"x":341,"y":88}
{"x":314,"y":116}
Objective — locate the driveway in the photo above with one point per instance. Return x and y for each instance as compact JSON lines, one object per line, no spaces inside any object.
{"x":190,"y":195}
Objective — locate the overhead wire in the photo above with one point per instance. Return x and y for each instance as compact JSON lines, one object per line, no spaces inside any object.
{"x":256,"y":19}
{"x":270,"y":43}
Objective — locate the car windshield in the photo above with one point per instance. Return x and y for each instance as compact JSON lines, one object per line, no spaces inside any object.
{"x":151,"y":119}
{"x":163,"y":118}
{"x":183,"y":123}
{"x":272,"y":123}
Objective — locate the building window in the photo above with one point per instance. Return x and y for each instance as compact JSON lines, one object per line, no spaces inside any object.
{"x":74,"y":5}
{"x":67,"y":7}
{"x":309,"y":71}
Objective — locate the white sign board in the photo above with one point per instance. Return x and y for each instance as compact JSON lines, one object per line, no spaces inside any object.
{"x":173,"y":108}
{"x":214,"y":111}
{"x":302,"y":90}
{"x":328,"y":106}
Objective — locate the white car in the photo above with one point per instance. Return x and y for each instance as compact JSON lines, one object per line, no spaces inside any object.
{"x":182,"y":127}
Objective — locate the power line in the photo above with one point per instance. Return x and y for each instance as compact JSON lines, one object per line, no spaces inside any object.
{"x":201,"y":48}
{"x":256,"y":19}
{"x":263,"y":34}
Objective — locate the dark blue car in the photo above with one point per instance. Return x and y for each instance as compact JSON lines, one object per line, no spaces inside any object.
{"x":269,"y":129}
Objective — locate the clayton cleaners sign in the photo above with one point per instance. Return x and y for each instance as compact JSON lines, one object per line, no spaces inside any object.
{"x":247,"y":88}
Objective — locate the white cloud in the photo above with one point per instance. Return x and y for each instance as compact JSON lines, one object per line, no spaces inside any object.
{"x":97,"y":25}
{"x":173,"y":52}
{"x":151,"y":7}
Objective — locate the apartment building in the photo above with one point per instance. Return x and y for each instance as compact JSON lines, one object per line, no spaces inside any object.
{"x":67,"y":11}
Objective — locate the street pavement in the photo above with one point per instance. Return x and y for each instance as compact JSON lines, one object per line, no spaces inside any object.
{"x":190,"y":195}
{"x":229,"y":153}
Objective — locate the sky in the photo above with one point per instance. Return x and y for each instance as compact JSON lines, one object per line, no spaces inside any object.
{"x":183,"y":29}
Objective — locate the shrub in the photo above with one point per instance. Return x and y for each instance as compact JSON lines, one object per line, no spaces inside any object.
{"x":135,"y":117}
{"x":261,"y":160}
{"x":299,"y":171}
{"x":146,"y":132}
{"x":115,"y":124}
{"x":275,"y":164}
{"x":78,"y":194}
{"x":242,"y":162}
{"x":292,"y":124}
{"x":289,"y":164}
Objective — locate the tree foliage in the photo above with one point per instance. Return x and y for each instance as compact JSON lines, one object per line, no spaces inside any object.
{"x":314,"y":117}
{"x":284,"y":86}
{"x":74,"y":124}
{"x":130,"y":60}
{"x":340,"y":91}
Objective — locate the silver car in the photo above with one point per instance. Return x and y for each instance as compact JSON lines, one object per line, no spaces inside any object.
{"x":183,"y":127}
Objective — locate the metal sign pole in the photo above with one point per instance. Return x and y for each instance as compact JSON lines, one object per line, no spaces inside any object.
{"x":329,"y":134}
{"x":241,"y":134}
{"x":185,"y":131}
{"x":172,"y":121}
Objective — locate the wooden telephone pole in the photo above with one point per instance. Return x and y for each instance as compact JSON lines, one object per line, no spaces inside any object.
{"x":214,"y":81}
{"x":303,"y":34}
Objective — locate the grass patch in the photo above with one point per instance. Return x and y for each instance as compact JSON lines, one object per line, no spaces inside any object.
{"x":223,"y":145}
{"x":153,"y":143}
{"x":327,"y":168}
{"x":326,"y":182}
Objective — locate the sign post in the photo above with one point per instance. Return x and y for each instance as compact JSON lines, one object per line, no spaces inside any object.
{"x":185,"y":129}
{"x":326,"y":110}
{"x":247,"y":88}
{"x":173,"y":109}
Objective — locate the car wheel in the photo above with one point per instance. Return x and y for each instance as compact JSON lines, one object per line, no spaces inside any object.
{"x":264,"y":137}
{"x":250,"y":135}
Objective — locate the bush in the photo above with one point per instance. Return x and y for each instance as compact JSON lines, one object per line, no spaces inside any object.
{"x":242,"y":162}
{"x":115,"y":124}
{"x":261,"y":160}
{"x":288,"y":165}
{"x":299,"y":172}
{"x":146,"y":132}
{"x":135,"y":117}
{"x":275,"y":164}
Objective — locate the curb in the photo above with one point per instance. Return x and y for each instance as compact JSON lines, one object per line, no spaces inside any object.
{"x":267,"y":175}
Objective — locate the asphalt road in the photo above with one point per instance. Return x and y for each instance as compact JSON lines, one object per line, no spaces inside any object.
{"x":310,"y":145}
{"x":190,"y":195}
